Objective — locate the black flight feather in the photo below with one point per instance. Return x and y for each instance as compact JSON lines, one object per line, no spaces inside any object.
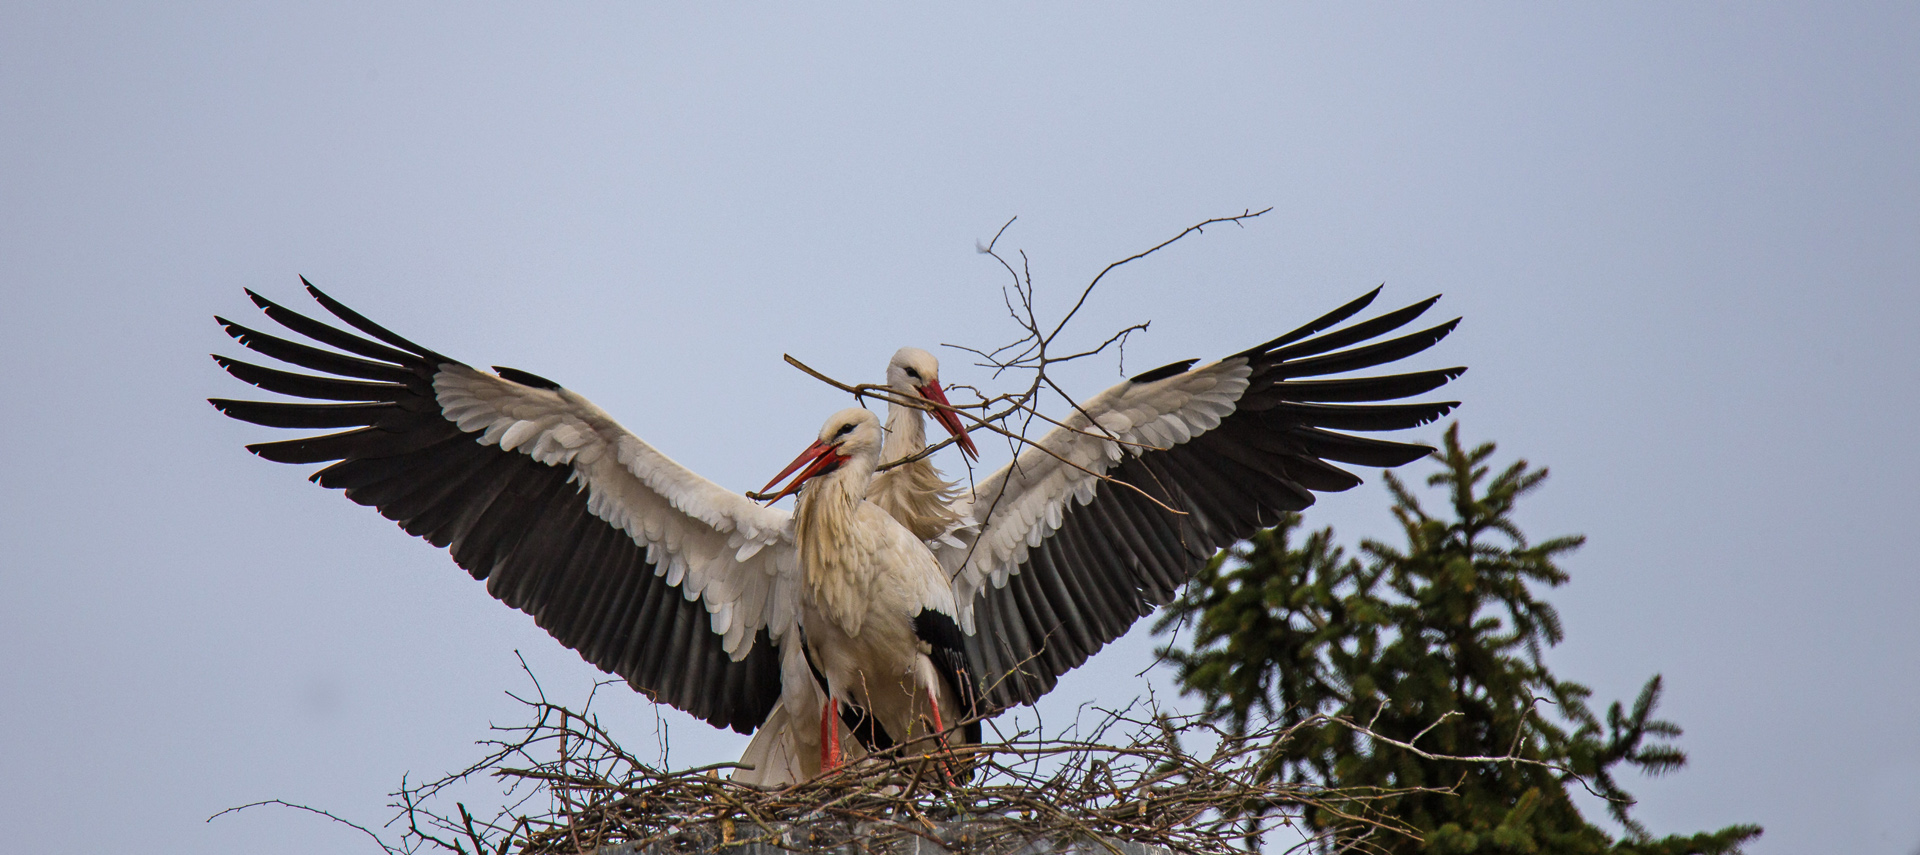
{"x":525,"y":378}
{"x":308,"y":356}
{"x":327,"y":334}
{"x":310,"y":386}
{"x":1163,"y":372}
{"x":1368,"y":356}
{"x":1329,"y":319}
{"x":360,"y":322}
{"x":1359,"y":332}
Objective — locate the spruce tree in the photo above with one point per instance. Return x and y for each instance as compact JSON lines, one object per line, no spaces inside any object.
{"x":1437,"y":642}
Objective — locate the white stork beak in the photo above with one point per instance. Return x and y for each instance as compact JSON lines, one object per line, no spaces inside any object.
{"x":823,"y":458}
{"x":947,"y":419}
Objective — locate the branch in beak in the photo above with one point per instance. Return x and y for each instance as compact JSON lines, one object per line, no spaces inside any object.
{"x":819,"y":459}
{"x":948,"y":418}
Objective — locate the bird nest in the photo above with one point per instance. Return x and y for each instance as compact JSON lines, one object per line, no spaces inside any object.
{"x":1117,"y":777}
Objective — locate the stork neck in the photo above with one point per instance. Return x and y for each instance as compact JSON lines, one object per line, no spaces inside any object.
{"x":906,"y":433}
{"x":828,"y":502}
{"x":913,"y":493}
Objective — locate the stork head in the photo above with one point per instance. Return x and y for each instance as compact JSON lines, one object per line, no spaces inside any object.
{"x":852,"y":433}
{"x":914,"y":373}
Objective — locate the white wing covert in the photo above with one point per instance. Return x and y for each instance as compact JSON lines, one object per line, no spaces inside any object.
{"x":645,"y":568}
{"x":1064,"y":562}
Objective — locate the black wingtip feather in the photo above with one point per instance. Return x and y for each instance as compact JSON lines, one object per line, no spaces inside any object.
{"x":525,"y":378}
{"x":1364,"y":417}
{"x":323,"y":387}
{"x":317,"y":359}
{"x":1163,"y":372}
{"x":1359,"y":451}
{"x":1349,"y":389}
{"x":330,"y":335}
{"x":1353,"y":307}
{"x":1367,"y":356}
{"x":280,"y":414}
{"x":361,"y":323}
{"x":363,"y":442}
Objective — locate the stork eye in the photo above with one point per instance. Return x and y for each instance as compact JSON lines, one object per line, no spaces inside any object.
{"x":914,"y":374}
{"x":843,"y":431}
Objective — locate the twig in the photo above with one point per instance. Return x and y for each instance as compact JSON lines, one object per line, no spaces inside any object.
{"x":348,"y":823}
{"x":1196,"y":228}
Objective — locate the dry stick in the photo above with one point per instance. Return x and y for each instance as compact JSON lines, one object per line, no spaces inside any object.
{"x":1037,"y":351}
{"x":519,"y":824}
{"x":1197,"y":227}
{"x":1467,"y":758}
{"x":472,"y":835}
{"x":348,"y":823}
{"x":1034,"y":360}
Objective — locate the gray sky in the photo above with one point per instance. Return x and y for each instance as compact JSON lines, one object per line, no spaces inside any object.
{"x":1683,"y":237}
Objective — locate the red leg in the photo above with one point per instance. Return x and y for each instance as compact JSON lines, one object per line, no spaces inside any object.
{"x":830,"y":757}
{"x":937,"y":724}
{"x":940,"y":727}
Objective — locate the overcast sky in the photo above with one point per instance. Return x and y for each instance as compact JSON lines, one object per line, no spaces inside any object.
{"x":1685,"y":239}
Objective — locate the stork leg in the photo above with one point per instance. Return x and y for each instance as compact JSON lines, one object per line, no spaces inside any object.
{"x":830,"y":756}
{"x":940,"y":731}
{"x":938,"y":726}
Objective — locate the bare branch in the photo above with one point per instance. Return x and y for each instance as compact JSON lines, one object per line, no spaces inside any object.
{"x":1197,"y":227}
{"x":348,"y":823}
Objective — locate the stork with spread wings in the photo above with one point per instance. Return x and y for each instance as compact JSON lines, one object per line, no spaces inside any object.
{"x":691,"y":592}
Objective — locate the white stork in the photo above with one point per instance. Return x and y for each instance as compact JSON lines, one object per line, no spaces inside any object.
{"x":877,"y":612}
{"x":694,"y":594}
{"x":915,"y":493}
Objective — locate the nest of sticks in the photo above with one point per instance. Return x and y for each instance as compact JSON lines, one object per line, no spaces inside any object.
{"x":1134,"y":775}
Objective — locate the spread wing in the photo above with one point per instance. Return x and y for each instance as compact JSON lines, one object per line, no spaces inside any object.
{"x":648,"y":570}
{"x":1064,"y":562}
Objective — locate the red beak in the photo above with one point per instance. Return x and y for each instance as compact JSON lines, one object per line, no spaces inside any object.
{"x":948,"y":419}
{"x":823,"y":458}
